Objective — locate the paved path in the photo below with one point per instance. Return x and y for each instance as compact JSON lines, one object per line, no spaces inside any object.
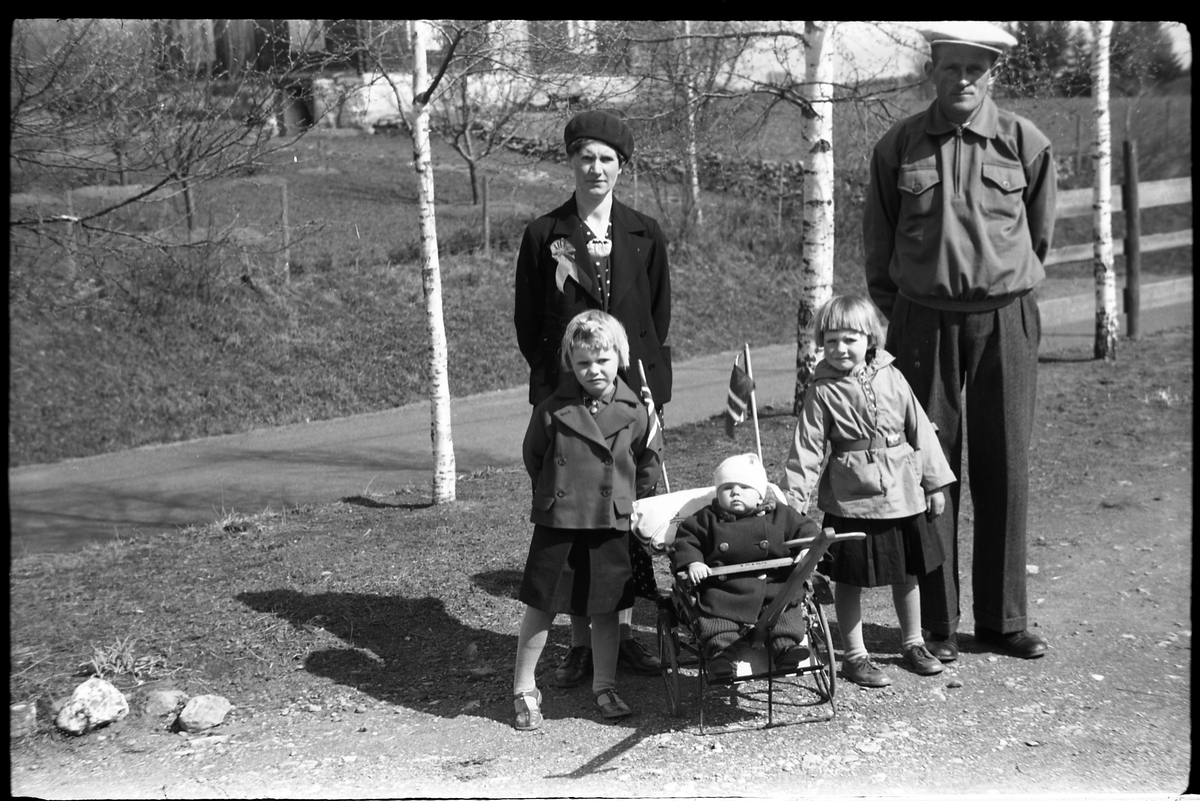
{"x":60,"y":506}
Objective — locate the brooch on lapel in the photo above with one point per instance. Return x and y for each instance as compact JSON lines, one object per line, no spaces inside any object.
{"x":564,"y":253}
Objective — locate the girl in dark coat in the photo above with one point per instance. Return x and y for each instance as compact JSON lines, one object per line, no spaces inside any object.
{"x":590,"y":450}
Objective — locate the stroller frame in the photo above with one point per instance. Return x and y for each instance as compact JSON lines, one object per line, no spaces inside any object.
{"x":678,"y":607}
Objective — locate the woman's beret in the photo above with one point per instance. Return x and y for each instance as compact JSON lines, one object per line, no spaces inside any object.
{"x":602,"y":126}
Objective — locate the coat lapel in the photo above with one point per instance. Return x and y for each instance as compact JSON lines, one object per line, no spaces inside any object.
{"x":621,"y":413}
{"x":570,"y":227}
{"x":630,"y":251}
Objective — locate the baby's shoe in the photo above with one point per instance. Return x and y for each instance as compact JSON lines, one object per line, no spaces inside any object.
{"x":719,"y":669}
{"x":529,"y":710}
{"x":789,"y":657}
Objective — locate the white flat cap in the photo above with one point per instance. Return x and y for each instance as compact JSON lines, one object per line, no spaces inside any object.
{"x":984,"y":35}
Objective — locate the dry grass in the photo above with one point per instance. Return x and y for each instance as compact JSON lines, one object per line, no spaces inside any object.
{"x":220,"y":343}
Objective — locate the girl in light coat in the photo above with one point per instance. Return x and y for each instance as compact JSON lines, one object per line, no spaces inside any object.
{"x":884,"y":474}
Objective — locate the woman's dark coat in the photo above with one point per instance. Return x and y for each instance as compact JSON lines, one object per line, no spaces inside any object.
{"x":640,"y":296}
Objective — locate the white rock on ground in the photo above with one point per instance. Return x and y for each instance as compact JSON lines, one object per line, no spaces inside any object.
{"x":23,"y":719}
{"x":163,"y":702}
{"x":203,"y":712}
{"x":94,"y":703}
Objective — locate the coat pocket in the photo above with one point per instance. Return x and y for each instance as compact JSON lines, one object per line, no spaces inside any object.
{"x":542,"y":501}
{"x":855,"y":475}
{"x":1003,"y":190}
{"x":900,"y":469}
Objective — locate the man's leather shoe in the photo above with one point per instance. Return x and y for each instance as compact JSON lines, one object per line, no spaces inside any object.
{"x":575,"y":667}
{"x":943,"y":646}
{"x":1021,"y":644}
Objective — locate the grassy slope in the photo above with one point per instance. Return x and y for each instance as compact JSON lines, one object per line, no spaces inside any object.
{"x":348,"y":333}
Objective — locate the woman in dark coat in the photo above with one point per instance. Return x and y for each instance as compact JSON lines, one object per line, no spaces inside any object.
{"x":594,"y":252}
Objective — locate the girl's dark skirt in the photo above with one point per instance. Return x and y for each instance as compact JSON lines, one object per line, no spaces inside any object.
{"x":894,"y":551}
{"x":578,"y":571}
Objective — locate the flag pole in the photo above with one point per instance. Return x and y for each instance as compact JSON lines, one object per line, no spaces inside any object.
{"x":753,"y":402}
{"x":648,"y":399}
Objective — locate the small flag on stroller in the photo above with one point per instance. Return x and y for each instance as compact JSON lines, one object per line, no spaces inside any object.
{"x":655,"y":428}
{"x":741,"y":385}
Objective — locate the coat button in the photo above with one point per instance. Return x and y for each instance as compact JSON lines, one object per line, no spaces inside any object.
{"x":764,"y":545}
{"x":916,"y":187}
{"x":606,"y":493}
{"x":562,"y":461}
{"x":561,"y":493}
{"x":723,"y":547}
{"x":608,"y":460}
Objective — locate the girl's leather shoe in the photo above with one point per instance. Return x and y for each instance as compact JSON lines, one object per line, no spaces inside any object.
{"x":529,"y":710}
{"x":610,"y":706}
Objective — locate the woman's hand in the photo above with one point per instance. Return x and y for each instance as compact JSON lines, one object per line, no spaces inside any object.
{"x":698,"y":572}
{"x":935,"y":503}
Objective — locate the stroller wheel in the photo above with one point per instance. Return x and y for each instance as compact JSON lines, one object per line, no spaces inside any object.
{"x":668,"y":654}
{"x":820,"y":639}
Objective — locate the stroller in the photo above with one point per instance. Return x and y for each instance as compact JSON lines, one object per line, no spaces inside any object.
{"x":655,"y":521}
{"x":678,"y":632}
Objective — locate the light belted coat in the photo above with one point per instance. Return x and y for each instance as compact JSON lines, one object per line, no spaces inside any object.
{"x":586,"y":470}
{"x":885,"y":453}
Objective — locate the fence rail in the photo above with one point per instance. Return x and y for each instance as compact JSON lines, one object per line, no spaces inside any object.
{"x":1131,"y":198}
{"x":1078,"y":203}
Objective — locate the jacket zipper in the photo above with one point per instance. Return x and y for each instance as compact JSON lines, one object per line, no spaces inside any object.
{"x":958,"y":135}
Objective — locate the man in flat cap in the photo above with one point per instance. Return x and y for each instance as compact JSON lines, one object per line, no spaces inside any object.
{"x":959,"y":217}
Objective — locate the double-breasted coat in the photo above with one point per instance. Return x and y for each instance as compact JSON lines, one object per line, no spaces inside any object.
{"x":638,"y":295}
{"x":718,"y":538}
{"x":586,"y":471}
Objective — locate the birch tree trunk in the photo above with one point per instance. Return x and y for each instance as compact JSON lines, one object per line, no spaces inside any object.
{"x":431,"y":279}
{"x":1102,"y":260}
{"x":689,"y":98}
{"x":816,"y":263}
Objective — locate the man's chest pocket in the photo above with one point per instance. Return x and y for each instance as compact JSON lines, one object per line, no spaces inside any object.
{"x":918,"y":194}
{"x":1003,"y":190}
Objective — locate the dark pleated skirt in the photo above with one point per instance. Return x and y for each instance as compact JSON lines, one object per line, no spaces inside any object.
{"x":893,"y":552}
{"x":578,"y":571}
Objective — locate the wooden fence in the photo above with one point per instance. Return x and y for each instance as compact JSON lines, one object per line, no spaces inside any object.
{"x":1133,"y":197}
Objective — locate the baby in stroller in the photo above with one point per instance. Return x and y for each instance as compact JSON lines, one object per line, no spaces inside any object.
{"x":743,"y":524}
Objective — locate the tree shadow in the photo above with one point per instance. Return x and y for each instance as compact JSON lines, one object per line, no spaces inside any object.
{"x":403,"y":651}
{"x":506,"y":583}
{"x":503,"y":583}
{"x":375,"y":503}
{"x":1081,"y":358}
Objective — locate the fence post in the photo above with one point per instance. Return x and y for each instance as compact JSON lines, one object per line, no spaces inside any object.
{"x":1167,"y":126}
{"x":1078,"y":144}
{"x":1133,"y":248}
{"x":487,"y":222}
{"x":779,"y":209}
{"x":287,"y":251}
{"x":71,"y":266}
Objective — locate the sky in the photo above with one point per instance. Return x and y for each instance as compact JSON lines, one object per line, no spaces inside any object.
{"x":867,"y":48}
